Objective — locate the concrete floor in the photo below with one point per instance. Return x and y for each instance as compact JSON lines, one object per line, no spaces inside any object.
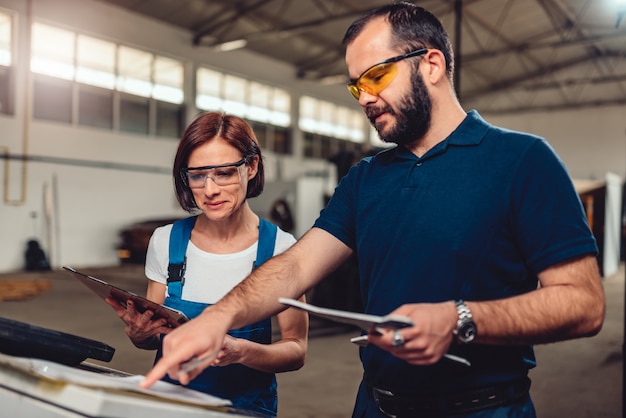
{"x":575,"y":379}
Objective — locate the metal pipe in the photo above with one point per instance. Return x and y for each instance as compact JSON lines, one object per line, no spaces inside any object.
{"x":25,"y":63}
{"x":88,"y":163}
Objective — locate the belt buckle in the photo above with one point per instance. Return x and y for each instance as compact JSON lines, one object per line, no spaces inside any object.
{"x":375,"y":393}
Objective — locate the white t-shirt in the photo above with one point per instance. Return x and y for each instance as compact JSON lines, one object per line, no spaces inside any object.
{"x":208,"y":276}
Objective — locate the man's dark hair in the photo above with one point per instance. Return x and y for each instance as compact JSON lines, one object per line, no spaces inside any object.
{"x":413,"y":27}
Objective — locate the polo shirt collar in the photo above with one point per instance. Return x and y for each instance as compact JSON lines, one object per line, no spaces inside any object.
{"x":471,"y":131}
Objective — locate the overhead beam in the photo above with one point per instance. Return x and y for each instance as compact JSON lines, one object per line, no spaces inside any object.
{"x":577,"y":82}
{"x":234,"y":16}
{"x":525,"y":46}
{"x":514,"y":81}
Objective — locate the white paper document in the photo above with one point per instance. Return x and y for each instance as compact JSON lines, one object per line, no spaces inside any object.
{"x":361,"y":320}
{"x":59,"y":372}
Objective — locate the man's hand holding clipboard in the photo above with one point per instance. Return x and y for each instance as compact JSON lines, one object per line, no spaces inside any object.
{"x":366,"y":322}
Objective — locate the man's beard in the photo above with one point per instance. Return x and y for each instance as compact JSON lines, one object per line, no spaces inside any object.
{"x":412,"y":118}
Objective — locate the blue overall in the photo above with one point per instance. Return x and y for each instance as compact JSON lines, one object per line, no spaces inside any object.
{"x":246,"y":388}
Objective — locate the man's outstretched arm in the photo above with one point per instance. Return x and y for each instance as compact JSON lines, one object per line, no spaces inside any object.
{"x":289,"y":274}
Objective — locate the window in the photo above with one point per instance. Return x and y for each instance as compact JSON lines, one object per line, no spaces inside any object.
{"x":259,"y":97}
{"x":52,"y":52}
{"x":260,"y":131}
{"x":7,"y":104}
{"x":5,"y":40}
{"x":235,"y":95}
{"x":150,"y":86}
{"x":95,"y":62}
{"x":96,"y":107}
{"x":324,"y":147}
{"x":209,"y":89}
{"x":266,"y":108}
{"x":268,"y":104}
{"x":134,"y":113}
{"x":274,"y":138}
{"x":330,"y":129}
{"x":134,"y":71}
{"x":170,"y":119}
{"x":168,"y":80}
{"x":282,"y":141}
{"x":247,"y":99}
{"x":52,"y":99}
{"x":328,"y":119}
{"x":280,"y":104}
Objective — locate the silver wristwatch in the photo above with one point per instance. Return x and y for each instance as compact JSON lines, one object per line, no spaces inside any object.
{"x":465,"y":330}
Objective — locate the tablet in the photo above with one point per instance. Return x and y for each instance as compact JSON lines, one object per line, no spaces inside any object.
{"x":105,"y":290}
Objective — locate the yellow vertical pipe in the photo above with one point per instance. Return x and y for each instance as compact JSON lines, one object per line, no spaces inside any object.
{"x":25,"y":61}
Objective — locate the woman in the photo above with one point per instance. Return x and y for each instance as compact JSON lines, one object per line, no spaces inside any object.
{"x":195,"y":261}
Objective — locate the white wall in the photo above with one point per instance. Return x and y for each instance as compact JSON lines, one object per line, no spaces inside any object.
{"x":94,"y":203}
{"x":88,"y":205}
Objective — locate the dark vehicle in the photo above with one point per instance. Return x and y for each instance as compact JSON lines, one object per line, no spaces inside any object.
{"x":135,"y":239}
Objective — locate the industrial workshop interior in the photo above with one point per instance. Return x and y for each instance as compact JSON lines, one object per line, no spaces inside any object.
{"x":94,"y":98}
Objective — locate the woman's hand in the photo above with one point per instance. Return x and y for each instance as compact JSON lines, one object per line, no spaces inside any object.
{"x":230,"y":353}
{"x":141,"y":328}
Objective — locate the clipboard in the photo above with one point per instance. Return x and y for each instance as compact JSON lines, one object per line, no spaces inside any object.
{"x":361,"y":320}
{"x":104,"y":290}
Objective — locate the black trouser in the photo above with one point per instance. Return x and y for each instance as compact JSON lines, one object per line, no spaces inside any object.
{"x":445,"y":404}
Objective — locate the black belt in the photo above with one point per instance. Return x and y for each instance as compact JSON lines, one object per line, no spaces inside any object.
{"x":443,"y":404}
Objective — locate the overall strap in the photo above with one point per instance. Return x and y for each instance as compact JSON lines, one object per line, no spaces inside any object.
{"x":245,"y":387}
{"x":179,"y":238}
{"x":267,"y":241}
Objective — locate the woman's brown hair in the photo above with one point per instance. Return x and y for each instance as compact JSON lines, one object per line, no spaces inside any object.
{"x":205,"y":128}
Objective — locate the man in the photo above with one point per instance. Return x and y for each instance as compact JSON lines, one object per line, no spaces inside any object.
{"x":472,"y":231}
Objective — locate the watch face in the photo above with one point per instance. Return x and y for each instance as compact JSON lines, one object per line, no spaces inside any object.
{"x":465,"y":327}
{"x":467,"y":332}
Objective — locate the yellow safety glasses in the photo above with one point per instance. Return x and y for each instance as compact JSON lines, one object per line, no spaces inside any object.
{"x":377,"y":77}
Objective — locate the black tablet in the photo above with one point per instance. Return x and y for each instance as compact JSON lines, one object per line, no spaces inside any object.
{"x":105,"y":290}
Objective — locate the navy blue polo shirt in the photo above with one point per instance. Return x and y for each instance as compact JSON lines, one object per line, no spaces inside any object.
{"x":475,"y":218}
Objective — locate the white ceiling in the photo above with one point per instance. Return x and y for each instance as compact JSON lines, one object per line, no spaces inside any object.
{"x":513,"y":55}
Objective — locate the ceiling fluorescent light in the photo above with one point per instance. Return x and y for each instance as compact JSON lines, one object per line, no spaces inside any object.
{"x":231,"y":45}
